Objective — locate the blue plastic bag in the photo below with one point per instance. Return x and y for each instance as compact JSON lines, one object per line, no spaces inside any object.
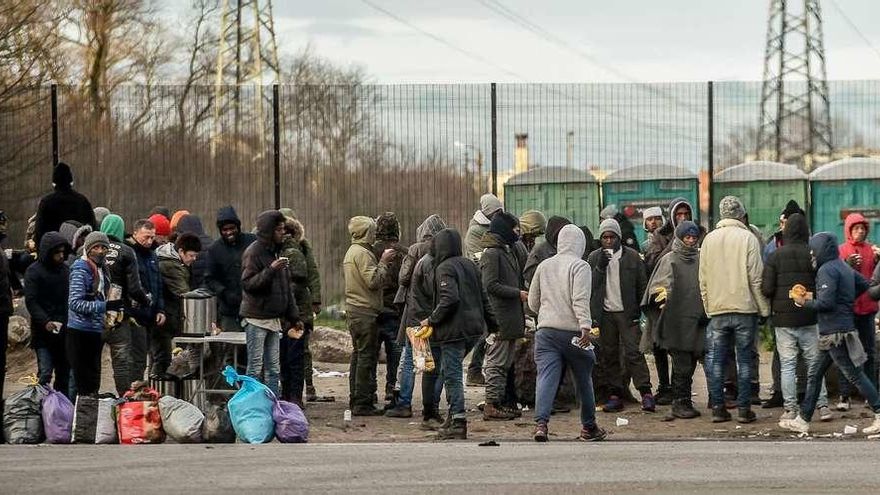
{"x":57,"y":417}
{"x":250,"y":409}
{"x":291,"y":425}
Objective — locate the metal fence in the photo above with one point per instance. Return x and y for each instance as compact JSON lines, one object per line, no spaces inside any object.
{"x":331,"y":152}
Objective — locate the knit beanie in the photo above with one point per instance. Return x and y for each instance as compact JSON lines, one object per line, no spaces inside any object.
{"x":100,"y":214}
{"x":732,"y":207}
{"x":502,"y":225}
{"x":489,"y":204}
{"x":608,"y":212}
{"x":687,"y":228}
{"x":654,"y":211}
{"x":175,"y":219}
{"x":387,"y":227}
{"x":163,"y":226}
{"x":95,"y":239}
{"x":114,"y":227}
{"x":533,"y":223}
{"x":62,"y":176}
{"x":791,"y":208}
{"x":610,"y":225}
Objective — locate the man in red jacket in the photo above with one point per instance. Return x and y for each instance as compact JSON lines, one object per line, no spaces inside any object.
{"x":858,"y":253}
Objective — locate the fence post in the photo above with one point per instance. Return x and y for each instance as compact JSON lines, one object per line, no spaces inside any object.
{"x":710,"y":151}
{"x":494,"y":142}
{"x":54,"y":106}
{"x":276,"y":145}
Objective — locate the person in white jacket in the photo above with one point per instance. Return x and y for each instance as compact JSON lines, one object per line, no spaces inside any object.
{"x":730,"y":287}
{"x":560,"y":295}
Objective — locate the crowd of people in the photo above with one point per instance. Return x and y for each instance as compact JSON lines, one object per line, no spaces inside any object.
{"x":583,"y":311}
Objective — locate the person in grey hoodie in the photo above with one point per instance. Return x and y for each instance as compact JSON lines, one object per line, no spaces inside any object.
{"x":560,"y":295}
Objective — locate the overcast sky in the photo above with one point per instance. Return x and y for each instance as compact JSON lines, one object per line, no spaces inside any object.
{"x":631,"y":40}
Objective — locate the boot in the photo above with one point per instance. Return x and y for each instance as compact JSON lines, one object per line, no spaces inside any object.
{"x":456,"y":431}
{"x":399,"y":412}
{"x":720,"y":414}
{"x":746,"y":415}
{"x":663,"y":397}
{"x":684,"y":409}
{"x":755,"y":398}
{"x":495,"y":413}
{"x":774,"y":401}
{"x":311,"y":394}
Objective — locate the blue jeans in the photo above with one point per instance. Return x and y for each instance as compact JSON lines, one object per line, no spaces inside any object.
{"x":724,"y":330}
{"x":553,"y":349}
{"x":432,"y":382}
{"x":389,"y":325}
{"x":840,"y":356}
{"x":452,"y":355}
{"x":788,"y":342}
{"x":406,"y":377}
{"x":264,"y":355}
{"x":865,"y":327}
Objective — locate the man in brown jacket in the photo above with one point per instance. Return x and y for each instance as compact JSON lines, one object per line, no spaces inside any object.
{"x":364,"y":277}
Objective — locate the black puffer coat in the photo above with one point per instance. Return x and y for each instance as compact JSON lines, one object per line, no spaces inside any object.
{"x":789,"y":265}
{"x":266,"y":292}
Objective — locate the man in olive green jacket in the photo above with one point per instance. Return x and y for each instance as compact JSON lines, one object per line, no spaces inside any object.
{"x":364,"y":277}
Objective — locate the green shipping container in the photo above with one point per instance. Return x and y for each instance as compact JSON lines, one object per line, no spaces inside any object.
{"x":764,"y":188}
{"x":850,"y":185}
{"x":634,"y":189}
{"x":567,"y":192}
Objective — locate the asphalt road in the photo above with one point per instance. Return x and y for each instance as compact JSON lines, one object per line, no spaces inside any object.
{"x":711,"y":467}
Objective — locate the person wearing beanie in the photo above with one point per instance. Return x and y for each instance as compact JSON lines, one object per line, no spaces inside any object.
{"x":618,"y":283}
{"x":479,"y":225}
{"x":730,"y":288}
{"x":503,"y":281}
{"x":161,"y":210}
{"x":175,"y":261}
{"x":268,"y":307}
{"x":679,"y":321}
{"x":653,"y":220}
{"x":163,"y":228}
{"x":532,"y":224}
{"x":224,"y":267}
{"x":88,"y":303}
{"x":122,"y":265}
{"x":63,"y":204}
{"x":661,"y":242}
{"x":175,"y":219}
{"x":627,"y":230}
{"x":364,"y":279}
{"x":388,"y":238}
{"x":101,"y":213}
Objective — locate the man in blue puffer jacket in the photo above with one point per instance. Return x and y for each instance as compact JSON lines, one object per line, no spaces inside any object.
{"x":837,"y":287}
{"x":87,"y":306}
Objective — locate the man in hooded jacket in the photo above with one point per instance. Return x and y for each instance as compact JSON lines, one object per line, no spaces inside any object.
{"x":388,"y":238}
{"x":545,"y":250}
{"x":224,"y":267}
{"x":490,"y":205}
{"x":364,"y":276}
{"x":661,"y":242}
{"x":62,"y":204}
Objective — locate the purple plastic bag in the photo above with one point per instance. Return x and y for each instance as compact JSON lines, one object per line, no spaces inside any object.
{"x":57,"y":417}
{"x":291,"y":425}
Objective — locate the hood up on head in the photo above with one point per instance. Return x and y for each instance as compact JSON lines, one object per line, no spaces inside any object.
{"x":851,"y":221}
{"x":266,"y":223}
{"x":571,"y":241}
{"x":114,"y":227}
{"x":554,"y":225}
{"x":446,"y":244}
{"x":362,"y":229}
{"x":796,"y":229}
{"x":824,"y":248}
{"x":62,"y":176}
{"x":50,"y":242}
{"x":226,"y":215}
{"x":430,"y":227}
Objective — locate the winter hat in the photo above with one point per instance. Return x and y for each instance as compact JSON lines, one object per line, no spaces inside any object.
{"x":654,"y":211}
{"x":610,"y":225}
{"x":608,"y":212}
{"x":62,"y":176}
{"x":502,"y":225}
{"x":533,"y":223}
{"x":687,"y":228}
{"x":288,"y":212}
{"x":732,"y":207}
{"x":362,"y":229}
{"x":95,"y":239}
{"x":100,"y":214}
{"x":114,"y":227}
{"x":489,"y":204}
{"x":175,"y":219}
{"x":163,"y":226}
{"x":387,"y":227}
{"x":791,"y":208}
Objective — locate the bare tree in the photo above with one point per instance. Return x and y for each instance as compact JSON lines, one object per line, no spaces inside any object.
{"x":200,"y":51}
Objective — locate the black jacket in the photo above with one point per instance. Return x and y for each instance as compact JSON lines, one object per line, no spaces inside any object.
{"x":544,"y":250}
{"x":5,"y":286}
{"x":790,"y":264}
{"x":420,"y":296}
{"x":151,"y":281}
{"x":461,"y":306}
{"x":123,"y":267}
{"x":224,"y":265}
{"x":633,"y":280}
{"x":59,"y":206}
{"x":503,"y":280}
{"x":266,"y":292}
{"x":193,"y":225}
{"x":46,"y":291}
{"x":391,"y":283}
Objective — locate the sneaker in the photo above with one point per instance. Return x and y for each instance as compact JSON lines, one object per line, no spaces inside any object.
{"x":746,"y":416}
{"x":399,"y":412}
{"x":613,"y":405}
{"x":720,"y":414}
{"x":825,"y":414}
{"x":495,"y":413}
{"x":455,"y":431}
{"x":787,"y":416}
{"x":875,"y":426}
{"x":663,"y":397}
{"x":842,"y":404}
{"x":475,"y":379}
{"x":774,"y":401}
{"x":541,"y":432}
{"x":797,"y":425}
{"x":648,"y":403}
{"x":592,"y":434}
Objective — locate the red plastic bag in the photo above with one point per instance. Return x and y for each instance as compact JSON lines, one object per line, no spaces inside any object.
{"x":138,"y":418}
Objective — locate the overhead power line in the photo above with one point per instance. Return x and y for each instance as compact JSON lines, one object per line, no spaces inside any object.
{"x":855,"y":28}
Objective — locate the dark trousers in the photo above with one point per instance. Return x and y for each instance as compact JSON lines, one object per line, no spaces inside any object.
{"x":292,"y":352}
{"x":684,"y":363}
{"x":308,"y":367}
{"x":160,"y":350}
{"x":839,"y":355}
{"x":52,"y":358}
{"x":118,"y":339}
{"x":139,"y":349}
{"x":865,"y":327}
{"x":84,"y":353}
{"x":389,"y":325}
{"x":4,"y":342}
{"x":362,"y":370}
{"x":616,"y":331}
{"x":661,"y":361}
{"x":477,"y":356}
{"x":432,"y":384}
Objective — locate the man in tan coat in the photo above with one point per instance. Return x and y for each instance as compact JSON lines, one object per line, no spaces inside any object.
{"x":364,"y":276}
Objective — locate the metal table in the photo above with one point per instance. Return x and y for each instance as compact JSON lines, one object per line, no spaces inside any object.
{"x":198,"y":394}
